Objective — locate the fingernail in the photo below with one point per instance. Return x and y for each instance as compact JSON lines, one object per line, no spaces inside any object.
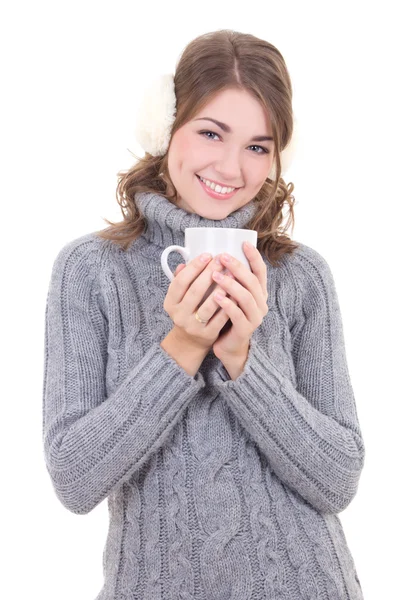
{"x":217,"y":260}
{"x":205,"y":257}
{"x":219,"y":296}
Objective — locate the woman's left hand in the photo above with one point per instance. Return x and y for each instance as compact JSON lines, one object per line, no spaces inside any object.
{"x":247,"y":306}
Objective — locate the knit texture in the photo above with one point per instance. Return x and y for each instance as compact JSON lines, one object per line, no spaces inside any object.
{"x":217,"y":489}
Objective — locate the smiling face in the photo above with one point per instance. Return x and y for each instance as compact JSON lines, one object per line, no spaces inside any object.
{"x":227,"y":154}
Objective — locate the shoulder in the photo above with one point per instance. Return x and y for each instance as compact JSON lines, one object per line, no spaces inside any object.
{"x":306,"y":266}
{"x":88,"y":246}
{"x":305,"y":281}
{"x":82,"y":257}
{"x":305,"y":259}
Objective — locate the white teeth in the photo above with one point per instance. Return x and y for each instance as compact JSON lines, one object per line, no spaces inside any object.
{"x":216,"y":187}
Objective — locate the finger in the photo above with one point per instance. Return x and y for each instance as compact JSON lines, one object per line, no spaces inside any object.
{"x":179,"y":269}
{"x":180,"y":285}
{"x":234,"y":311}
{"x":256,"y":285}
{"x":257,"y":265}
{"x":244,"y":299}
{"x":219,"y":318}
{"x":208,"y":305}
{"x":212,"y":311}
{"x":201,"y":288}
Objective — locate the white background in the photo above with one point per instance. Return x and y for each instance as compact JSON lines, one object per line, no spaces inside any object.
{"x":71,"y":79}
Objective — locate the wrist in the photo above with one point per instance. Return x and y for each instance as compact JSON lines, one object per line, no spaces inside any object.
{"x":235,"y":367}
{"x":234,"y":363}
{"x":187,"y":356}
{"x":234,"y":357}
{"x":186,"y":342}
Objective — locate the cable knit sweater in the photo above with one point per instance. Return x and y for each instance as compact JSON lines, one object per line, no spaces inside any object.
{"x":217,"y":489}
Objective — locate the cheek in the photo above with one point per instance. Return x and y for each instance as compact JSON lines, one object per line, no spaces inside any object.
{"x":183,"y":151}
{"x":184,"y":142}
{"x":267,"y":167}
{"x":260,"y":174}
{"x":184,"y":145}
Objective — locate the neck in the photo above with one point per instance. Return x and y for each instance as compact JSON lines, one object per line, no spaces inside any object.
{"x":166,"y":223}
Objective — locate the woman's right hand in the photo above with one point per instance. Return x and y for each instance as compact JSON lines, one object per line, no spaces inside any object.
{"x":188,"y":288}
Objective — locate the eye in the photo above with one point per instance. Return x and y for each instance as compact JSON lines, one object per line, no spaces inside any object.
{"x":263,"y":150}
{"x":205,"y":132}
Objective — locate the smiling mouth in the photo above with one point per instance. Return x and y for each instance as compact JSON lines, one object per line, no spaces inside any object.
{"x":222,"y":185}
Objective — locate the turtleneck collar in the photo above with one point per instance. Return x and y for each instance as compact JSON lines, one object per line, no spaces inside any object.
{"x":166,"y":223}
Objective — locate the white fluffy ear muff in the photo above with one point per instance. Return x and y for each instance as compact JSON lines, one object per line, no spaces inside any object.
{"x":287,"y":153}
{"x":156,"y":115}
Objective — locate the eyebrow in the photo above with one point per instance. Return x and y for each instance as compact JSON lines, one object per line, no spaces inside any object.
{"x":227,"y":129}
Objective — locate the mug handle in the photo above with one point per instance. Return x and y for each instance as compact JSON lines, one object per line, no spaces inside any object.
{"x":184,"y":252}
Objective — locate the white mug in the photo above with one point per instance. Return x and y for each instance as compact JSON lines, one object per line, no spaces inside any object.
{"x":214,"y":240}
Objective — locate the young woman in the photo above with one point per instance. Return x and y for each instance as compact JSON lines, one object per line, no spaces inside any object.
{"x":225,"y":452}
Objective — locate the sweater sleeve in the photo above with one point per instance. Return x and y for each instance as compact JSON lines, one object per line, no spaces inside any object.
{"x":309,"y":432}
{"x":93,"y":443}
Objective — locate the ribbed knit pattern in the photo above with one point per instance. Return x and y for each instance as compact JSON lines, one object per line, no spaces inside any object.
{"x":216,"y":489}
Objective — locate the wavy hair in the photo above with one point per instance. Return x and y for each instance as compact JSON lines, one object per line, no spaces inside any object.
{"x":209,"y":64}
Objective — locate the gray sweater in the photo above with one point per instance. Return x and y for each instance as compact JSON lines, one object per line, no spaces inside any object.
{"x":217,"y":489}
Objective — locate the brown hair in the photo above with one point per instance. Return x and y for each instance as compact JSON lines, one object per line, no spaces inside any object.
{"x":208,"y":65}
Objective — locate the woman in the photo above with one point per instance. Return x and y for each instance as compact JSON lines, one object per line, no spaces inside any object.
{"x":225,"y":452}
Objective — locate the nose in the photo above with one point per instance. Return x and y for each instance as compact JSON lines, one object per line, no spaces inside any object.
{"x":228,"y":166}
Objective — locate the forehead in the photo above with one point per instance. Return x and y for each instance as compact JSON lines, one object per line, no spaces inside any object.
{"x":238,"y":109}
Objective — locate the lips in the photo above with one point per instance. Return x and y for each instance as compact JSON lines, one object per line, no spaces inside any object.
{"x":216,"y":182}
{"x":217,"y":195}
